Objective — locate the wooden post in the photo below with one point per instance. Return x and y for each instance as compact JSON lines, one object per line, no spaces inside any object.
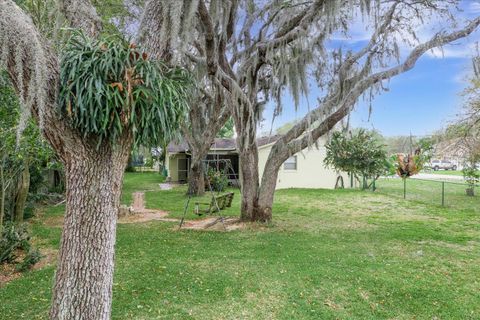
{"x":443,"y":193}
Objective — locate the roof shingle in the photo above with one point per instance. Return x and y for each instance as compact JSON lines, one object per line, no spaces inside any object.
{"x":221,"y":144}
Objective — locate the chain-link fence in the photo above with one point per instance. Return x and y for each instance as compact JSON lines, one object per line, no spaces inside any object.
{"x":442,"y":193}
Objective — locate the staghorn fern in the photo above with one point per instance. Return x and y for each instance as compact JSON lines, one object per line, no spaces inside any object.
{"x":109,"y":86}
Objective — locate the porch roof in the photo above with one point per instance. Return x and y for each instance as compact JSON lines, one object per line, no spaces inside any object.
{"x":225,"y":144}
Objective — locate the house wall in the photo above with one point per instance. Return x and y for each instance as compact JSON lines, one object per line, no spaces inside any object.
{"x":171,"y":162}
{"x":310,"y":172}
{"x":172,"y":165}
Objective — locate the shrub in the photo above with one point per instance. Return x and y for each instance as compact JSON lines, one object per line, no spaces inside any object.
{"x":471,"y":174}
{"x":218,"y":180}
{"x":32,"y":257}
{"x":359,"y":153}
{"x":15,"y":238}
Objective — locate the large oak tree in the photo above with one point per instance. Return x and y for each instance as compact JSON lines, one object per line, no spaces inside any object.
{"x":268,"y":47}
{"x":93,"y":100}
{"x":209,"y":105}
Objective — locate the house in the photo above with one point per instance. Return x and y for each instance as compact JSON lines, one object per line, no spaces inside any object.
{"x":302,"y":170}
{"x":455,"y":150}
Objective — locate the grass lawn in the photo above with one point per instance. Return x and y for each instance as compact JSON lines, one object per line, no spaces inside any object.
{"x":430,"y":192}
{"x":447,"y":172}
{"x":329,"y":254}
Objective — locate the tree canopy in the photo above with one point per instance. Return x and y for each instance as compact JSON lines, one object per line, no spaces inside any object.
{"x":357,"y":153}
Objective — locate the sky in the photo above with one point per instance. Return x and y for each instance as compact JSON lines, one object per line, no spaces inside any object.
{"x":418,"y":102}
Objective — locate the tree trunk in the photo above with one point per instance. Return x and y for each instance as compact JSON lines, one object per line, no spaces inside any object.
{"x":196,"y":180}
{"x":249,"y":182}
{"x":22,"y":193}
{"x":83,"y":280}
{"x":199,"y":146}
{"x":266,"y":194}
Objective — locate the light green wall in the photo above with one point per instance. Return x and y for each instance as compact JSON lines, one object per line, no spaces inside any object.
{"x":172,"y":165}
{"x":310,"y":173}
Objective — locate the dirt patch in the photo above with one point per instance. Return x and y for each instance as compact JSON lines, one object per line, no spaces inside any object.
{"x":146,"y":215}
{"x":49,"y":257}
{"x":214,"y":224}
{"x":53,"y":221}
{"x":8,"y":272}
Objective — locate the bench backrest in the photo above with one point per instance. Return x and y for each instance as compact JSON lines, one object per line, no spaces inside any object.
{"x":229,"y":199}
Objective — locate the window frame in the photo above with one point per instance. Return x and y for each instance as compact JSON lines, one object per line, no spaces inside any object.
{"x":290,"y":163}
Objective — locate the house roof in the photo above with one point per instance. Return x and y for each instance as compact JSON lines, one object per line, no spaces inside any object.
{"x":221,"y":144}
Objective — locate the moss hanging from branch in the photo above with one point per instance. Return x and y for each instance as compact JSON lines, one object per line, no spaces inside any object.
{"x":109,"y":86}
{"x":28,"y":62}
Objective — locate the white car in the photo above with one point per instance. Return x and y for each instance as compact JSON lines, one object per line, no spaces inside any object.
{"x":443,"y":164}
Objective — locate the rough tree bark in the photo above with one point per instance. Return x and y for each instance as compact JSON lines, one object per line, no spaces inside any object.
{"x":83,"y":281}
{"x":22,"y":193}
{"x":86,"y":257}
{"x":248,"y":156}
{"x":267,"y":192}
{"x":196,"y":179}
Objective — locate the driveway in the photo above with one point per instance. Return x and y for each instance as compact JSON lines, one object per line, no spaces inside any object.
{"x":433,"y":176}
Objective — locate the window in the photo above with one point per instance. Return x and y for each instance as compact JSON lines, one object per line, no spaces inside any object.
{"x":290,"y":164}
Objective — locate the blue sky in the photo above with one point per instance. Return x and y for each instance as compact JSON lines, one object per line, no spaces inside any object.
{"x":419,"y":101}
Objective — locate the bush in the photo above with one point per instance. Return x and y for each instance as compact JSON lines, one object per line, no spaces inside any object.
{"x":360,"y":154}
{"x":15,"y":238}
{"x":32,"y":257}
{"x":218,"y":180}
{"x":471,"y":174}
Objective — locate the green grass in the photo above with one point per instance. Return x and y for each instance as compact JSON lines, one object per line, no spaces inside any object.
{"x":342,"y":254}
{"x":139,"y":181}
{"x":174,"y":202}
{"x":447,"y":172}
{"x":430,"y":192}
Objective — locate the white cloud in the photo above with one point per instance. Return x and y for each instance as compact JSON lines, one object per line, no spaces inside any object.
{"x":474,"y":7}
{"x":457,"y":50}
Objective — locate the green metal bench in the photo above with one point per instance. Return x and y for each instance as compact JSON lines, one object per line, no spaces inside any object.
{"x":223,"y":201}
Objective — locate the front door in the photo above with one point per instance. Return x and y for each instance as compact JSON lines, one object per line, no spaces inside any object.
{"x":183,"y":165}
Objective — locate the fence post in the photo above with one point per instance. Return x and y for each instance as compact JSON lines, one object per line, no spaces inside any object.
{"x":404,"y":188}
{"x":443,"y":193}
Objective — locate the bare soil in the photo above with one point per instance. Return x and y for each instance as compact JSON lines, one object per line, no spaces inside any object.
{"x":9,"y":273}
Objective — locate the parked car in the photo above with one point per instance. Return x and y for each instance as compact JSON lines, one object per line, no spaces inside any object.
{"x":443,"y":164}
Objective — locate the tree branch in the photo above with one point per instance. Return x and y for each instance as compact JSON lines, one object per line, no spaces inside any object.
{"x":151,"y":29}
{"x":288,"y":144}
{"x":81,"y":14}
{"x":210,"y":47}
